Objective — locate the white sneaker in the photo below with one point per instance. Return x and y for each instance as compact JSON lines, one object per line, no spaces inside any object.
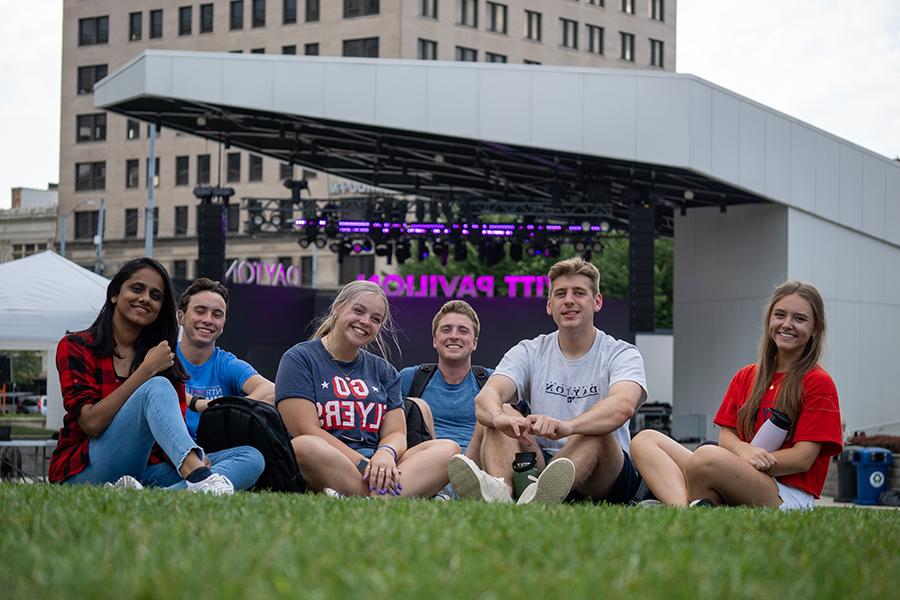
{"x":332,"y":493}
{"x":215,"y":484}
{"x":649,"y":503}
{"x":553,"y":485}
{"x":471,"y":482}
{"x":126,"y":482}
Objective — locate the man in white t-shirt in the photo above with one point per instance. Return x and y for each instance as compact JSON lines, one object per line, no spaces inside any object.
{"x":568,"y":396}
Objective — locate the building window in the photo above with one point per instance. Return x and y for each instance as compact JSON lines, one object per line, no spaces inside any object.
{"x":236,"y":15}
{"x":88,"y":76}
{"x":257,"y":50}
{"x":132,"y":129}
{"x":568,"y":33}
{"x":90,"y":176}
{"x":181,"y":220}
{"x":132,"y":174}
{"x":185,"y":20}
{"x":658,"y":10}
{"x":354,"y":265}
{"x":155,"y":171}
{"x":285,"y":171}
{"x":233,"y":218}
{"x":628,"y":6}
{"x":466,"y":54}
{"x":312,"y":11}
{"x":360,"y":8}
{"x":306,"y":271}
{"x":428,"y":9}
{"x":92,"y":31}
{"x":533,"y":25}
{"x":258,"y":13}
{"x":135,"y":26}
{"x":86,"y":224}
{"x":156,"y":24}
{"x":531,"y":62}
{"x":206,"y":18}
{"x":289,"y":12}
{"x":90,"y":128}
{"x":494,"y":58}
{"x":289,"y":50}
{"x":468,"y":13}
{"x":256,"y":168}
{"x":202,"y":168}
{"x":155,"y":221}
{"x":627,"y":43}
{"x":656,"y":53}
{"x":362,"y":47}
{"x":427,"y":49}
{"x":308,"y":174}
{"x":182,"y":170}
{"x":596,"y":2}
{"x":595,"y":39}
{"x":179,"y":268}
{"x":23,"y":250}
{"x":131,"y":222}
{"x":496,"y":17}
{"x":311,"y":49}
{"x":234,"y":167}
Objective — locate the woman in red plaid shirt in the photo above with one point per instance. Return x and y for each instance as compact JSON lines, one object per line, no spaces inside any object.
{"x":123,"y":392}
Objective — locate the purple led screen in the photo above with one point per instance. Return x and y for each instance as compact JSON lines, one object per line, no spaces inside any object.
{"x":263,"y":322}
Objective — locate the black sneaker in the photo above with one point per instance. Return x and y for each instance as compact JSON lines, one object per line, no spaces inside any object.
{"x":702,"y":503}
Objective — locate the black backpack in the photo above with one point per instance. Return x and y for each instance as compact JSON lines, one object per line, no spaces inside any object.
{"x":232,"y":421}
{"x":416,"y":430}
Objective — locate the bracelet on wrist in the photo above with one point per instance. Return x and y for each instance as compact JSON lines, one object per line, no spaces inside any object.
{"x":361,"y":465}
{"x":389,"y":449}
{"x":193,"y":403}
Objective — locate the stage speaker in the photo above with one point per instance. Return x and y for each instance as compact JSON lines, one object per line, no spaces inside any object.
{"x":211,"y":241}
{"x":641,"y":288}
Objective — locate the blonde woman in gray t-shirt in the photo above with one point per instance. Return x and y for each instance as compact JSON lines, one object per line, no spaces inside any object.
{"x":568,"y":396}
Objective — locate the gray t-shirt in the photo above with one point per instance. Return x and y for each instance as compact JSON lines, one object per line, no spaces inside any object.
{"x":552,"y":385}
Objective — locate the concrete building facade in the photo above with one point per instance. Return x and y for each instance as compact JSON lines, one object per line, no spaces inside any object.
{"x":105,"y":156}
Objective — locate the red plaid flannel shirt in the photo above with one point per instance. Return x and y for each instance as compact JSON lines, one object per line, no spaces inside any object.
{"x":85,"y":378}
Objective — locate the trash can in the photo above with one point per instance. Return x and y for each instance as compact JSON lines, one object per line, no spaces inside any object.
{"x":872,"y":466}
{"x":846,"y":474}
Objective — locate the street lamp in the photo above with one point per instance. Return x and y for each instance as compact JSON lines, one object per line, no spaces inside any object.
{"x":62,"y":225}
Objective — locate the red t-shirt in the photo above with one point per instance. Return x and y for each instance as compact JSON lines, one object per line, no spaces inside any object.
{"x":819,"y":420}
{"x":85,"y":378}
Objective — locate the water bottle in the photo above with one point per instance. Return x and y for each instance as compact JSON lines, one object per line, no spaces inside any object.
{"x":524,"y":467}
{"x":771,"y":434}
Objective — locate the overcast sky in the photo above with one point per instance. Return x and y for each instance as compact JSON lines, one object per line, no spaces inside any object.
{"x":832,"y":63}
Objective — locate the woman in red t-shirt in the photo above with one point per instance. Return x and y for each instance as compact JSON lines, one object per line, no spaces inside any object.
{"x":787,"y":377}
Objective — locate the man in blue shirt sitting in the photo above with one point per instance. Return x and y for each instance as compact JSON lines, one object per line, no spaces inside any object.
{"x":448,"y":398}
{"x":213,"y":372}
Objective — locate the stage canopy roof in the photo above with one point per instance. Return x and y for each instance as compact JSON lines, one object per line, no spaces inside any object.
{"x":496,"y":138}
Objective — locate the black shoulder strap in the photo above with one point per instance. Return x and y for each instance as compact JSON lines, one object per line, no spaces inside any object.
{"x":423,"y":375}
{"x":481,"y":375}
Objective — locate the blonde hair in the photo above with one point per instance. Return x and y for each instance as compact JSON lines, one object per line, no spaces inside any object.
{"x":460,"y":307}
{"x":345,"y":297}
{"x":790,"y":393}
{"x":575,"y":266}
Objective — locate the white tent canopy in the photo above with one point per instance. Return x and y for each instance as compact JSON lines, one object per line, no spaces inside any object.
{"x":41,"y":297}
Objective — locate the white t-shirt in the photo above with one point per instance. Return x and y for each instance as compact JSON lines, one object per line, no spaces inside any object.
{"x":552,"y":385}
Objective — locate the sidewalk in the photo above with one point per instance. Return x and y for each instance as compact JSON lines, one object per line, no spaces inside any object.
{"x":828,"y":502}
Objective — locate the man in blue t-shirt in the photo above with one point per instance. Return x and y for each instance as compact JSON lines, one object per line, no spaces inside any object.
{"x":213,"y":372}
{"x":448,"y":400}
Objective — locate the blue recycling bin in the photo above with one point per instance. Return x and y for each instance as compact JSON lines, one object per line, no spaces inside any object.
{"x":872,"y":466}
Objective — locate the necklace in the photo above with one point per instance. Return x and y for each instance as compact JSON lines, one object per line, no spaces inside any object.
{"x":347,"y":376}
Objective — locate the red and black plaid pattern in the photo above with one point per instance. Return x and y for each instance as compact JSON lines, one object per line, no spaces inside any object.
{"x":85,"y":378}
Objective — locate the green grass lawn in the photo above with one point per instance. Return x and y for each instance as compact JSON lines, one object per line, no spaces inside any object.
{"x":91,"y":542}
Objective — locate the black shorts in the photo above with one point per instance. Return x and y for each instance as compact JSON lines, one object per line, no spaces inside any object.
{"x":623,"y":489}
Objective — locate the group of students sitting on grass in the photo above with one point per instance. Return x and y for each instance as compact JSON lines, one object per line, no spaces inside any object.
{"x":567,"y":397}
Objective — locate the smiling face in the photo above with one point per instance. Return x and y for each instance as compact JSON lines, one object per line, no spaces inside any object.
{"x":139,"y":301}
{"x":454,"y":338}
{"x":358,"y":322}
{"x":203,"y":319}
{"x":791,"y":324}
{"x":572,"y":303}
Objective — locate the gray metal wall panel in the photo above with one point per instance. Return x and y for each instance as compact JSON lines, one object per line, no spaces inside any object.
{"x":873,"y":196}
{"x":452,"y":105}
{"x":504,"y":110}
{"x":557,"y":110}
{"x":663,"y":124}
{"x":752,"y":147}
{"x":827,"y":178}
{"x":408,"y":110}
{"x":613,"y":99}
{"x":777,"y":156}
{"x":725,"y":136}
{"x":700,"y":126}
{"x":850,"y":190}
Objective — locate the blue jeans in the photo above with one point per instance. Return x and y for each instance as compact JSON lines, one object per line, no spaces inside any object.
{"x":152,"y":414}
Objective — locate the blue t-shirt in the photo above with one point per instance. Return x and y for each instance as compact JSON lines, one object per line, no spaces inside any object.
{"x":351,"y":398}
{"x":223,"y":374}
{"x":452,"y":405}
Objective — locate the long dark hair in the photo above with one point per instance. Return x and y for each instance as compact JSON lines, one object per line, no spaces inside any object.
{"x":165,"y":327}
{"x":790,"y":393}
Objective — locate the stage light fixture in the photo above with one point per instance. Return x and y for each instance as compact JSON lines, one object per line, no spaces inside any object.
{"x":321,"y":242}
{"x":303,"y":242}
{"x":516,"y":250}
{"x":421,"y":250}
{"x":382,"y":249}
{"x":402,"y":251}
{"x":460,"y":251}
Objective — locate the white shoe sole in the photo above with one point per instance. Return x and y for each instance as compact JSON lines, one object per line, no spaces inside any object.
{"x":555,"y":482}
{"x":463,"y":475}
